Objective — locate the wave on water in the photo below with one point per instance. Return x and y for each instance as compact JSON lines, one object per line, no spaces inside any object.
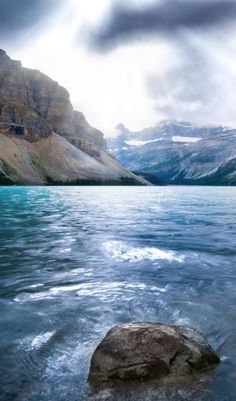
{"x":123,"y":252}
{"x":35,"y":343}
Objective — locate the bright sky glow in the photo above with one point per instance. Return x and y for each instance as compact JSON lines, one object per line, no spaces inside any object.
{"x":138,"y":83}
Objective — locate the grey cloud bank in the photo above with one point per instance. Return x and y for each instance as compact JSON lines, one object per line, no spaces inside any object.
{"x":18,"y":16}
{"x":134,"y":61}
{"x":161,"y":18}
{"x":198,"y":87}
{"x":197,"y":83}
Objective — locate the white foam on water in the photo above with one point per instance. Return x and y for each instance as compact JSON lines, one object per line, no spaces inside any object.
{"x":35,"y":285}
{"x":25,"y":297}
{"x":159,"y":289}
{"x":65,"y":250}
{"x":123,"y":252}
{"x":35,"y":343}
{"x":224,"y":358}
{"x":66,"y":288}
{"x":41,"y":339}
{"x":98,"y":288}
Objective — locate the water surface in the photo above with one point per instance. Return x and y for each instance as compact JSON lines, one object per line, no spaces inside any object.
{"x":76,"y":261}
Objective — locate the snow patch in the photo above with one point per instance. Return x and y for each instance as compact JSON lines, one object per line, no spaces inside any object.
{"x":136,"y":142}
{"x":184,"y":139}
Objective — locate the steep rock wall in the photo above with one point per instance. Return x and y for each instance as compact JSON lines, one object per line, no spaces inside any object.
{"x":32,"y":106}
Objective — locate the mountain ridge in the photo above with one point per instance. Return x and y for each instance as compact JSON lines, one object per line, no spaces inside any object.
{"x":179,"y":153}
{"x":43,"y":139}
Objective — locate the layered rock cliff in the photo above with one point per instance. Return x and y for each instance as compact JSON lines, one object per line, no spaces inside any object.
{"x":42,"y":138}
{"x":32,"y":105}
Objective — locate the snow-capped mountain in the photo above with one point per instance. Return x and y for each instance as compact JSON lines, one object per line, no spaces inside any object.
{"x":178,"y":153}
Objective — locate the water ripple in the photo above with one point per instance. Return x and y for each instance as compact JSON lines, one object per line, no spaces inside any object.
{"x":76,"y":261}
{"x":120,"y":251}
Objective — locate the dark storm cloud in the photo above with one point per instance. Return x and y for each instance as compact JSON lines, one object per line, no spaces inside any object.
{"x":17,"y":16}
{"x":165,"y":17}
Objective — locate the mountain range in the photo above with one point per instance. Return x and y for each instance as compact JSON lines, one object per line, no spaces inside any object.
{"x":43,"y":140}
{"x":179,"y":153}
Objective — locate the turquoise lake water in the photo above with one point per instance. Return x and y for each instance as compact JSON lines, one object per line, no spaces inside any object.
{"x":74,"y":261}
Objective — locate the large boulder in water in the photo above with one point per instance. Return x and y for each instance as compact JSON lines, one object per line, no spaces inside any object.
{"x":139,"y":351}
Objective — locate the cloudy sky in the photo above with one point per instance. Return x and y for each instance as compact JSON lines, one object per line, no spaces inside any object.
{"x":131,"y":61}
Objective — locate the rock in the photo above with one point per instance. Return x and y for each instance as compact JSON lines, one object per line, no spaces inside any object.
{"x":53,"y":160}
{"x":88,"y":133}
{"x":32,"y":106}
{"x":139,"y":351}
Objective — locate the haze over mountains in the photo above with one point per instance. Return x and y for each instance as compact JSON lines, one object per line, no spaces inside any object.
{"x":178,"y":153}
{"x":42,"y":139}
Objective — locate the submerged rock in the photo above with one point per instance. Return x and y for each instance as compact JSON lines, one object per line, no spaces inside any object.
{"x":139,"y":351}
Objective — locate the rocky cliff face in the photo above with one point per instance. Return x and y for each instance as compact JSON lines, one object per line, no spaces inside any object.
{"x":179,"y":153}
{"x":32,"y":106}
{"x":42,"y":138}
